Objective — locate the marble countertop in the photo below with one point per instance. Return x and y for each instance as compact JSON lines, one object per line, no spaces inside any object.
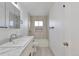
{"x":16,"y":47}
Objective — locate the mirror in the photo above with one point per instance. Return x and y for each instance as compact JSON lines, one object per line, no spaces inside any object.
{"x":14,"y":17}
{"x":2,"y":15}
{"x":14,"y":21}
{"x":9,"y":15}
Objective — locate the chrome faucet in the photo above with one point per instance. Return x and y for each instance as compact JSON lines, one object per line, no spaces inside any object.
{"x":12,"y":36}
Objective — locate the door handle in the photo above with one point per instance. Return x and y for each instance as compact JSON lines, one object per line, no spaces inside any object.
{"x":66,"y":44}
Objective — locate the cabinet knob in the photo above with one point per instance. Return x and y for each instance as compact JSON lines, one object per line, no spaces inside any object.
{"x":64,"y":6}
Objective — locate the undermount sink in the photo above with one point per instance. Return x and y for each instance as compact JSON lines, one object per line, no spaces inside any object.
{"x":19,"y":42}
{"x":17,"y":45}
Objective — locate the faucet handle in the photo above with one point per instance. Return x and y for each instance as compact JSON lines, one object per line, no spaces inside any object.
{"x":13,"y":35}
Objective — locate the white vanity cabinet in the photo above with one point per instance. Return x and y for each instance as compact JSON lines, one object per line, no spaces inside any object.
{"x":2,"y":14}
{"x":28,"y":51}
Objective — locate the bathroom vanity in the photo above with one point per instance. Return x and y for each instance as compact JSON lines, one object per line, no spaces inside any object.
{"x":10,"y":24}
{"x":22,"y":46}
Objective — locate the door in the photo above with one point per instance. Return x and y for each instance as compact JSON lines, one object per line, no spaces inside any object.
{"x":2,"y":14}
{"x":73,"y":28}
{"x":59,"y":36}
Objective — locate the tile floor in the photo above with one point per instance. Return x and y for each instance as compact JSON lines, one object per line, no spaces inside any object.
{"x":43,"y":51}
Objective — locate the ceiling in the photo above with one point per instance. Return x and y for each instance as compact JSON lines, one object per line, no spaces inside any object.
{"x":37,"y":8}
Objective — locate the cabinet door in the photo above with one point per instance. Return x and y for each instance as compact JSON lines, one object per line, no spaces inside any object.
{"x":12,"y":16}
{"x":67,"y":28}
{"x":17,"y":18}
{"x":2,"y":14}
{"x":9,"y":13}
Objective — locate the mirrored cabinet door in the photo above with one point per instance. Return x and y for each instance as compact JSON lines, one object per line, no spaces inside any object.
{"x":16,"y":19}
{"x":13,"y":17}
{"x":2,"y":14}
{"x":9,"y":15}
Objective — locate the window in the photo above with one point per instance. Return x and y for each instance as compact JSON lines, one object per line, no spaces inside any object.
{"x":38,"y":23}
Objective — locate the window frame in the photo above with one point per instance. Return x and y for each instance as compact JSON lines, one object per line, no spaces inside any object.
{"x":38,"y":23}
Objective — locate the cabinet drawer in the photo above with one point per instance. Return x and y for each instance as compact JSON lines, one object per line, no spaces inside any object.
{"x":28,"y":50}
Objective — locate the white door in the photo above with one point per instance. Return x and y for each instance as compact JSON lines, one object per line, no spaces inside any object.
{"x":66,"y":27}
{"x":71,"y":23}
{"x":56,"y":34}
{"x":65,"y":19}
{"x":59,"y":37}
{"x":73,"y":28}
{"x":67,"y":23}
